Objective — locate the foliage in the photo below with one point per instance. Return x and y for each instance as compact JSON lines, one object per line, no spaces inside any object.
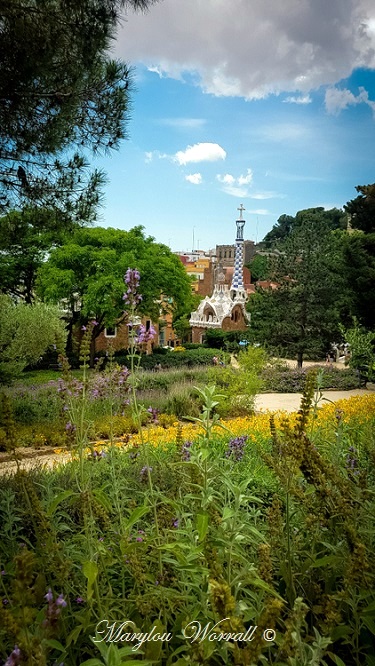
{"x":88,"y":272}
{"x":287,"y":224}
{"x":26,"y":332}
{"x":264,"y":527}
{"x":259,"y":268}
{"x":60,"y":93}
{"x":362,"y":348}
{"x":362,"y":209}
{"x":301,"y":316}
{"x":285,"y":380}
{"x":240,"y":385}
{"x":25,"y":239}
{"x":359,"y":256}
{"x":218,"y":339}
{"x":190,"y":358}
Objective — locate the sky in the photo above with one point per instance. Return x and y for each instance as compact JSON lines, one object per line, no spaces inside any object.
{"x":255,"y":102}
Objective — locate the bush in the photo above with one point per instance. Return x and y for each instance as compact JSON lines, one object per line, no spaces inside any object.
{"x":286,"y":380}
{"x":190,"y":357}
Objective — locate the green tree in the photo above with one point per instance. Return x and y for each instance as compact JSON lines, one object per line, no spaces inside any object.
{"x":26,"y":332}
{"x":259,"y":268}
{"x":87,"y":272}
{"x":362,"y":209}
{"x":60,"y":94}
{"x":301,"y":317}
{"x":26,"y":238}
{"x":359,"y":256}
{"x":334,"y":218}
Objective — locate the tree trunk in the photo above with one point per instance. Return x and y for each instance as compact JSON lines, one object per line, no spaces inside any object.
{"x":299,"y":359}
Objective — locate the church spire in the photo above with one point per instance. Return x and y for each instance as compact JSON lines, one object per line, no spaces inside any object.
{"x":237,"y":281}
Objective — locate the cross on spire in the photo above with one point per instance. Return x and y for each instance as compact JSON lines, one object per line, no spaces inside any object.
{"x":241,"y":209}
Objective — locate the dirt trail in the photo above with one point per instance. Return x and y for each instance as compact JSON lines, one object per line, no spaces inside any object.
{"x":290,"y":402}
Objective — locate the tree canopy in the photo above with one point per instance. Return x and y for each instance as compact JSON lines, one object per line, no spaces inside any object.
{"x":334,"y":218}
{"x":301,"y":316}
{"x":60,"y":94}
{"x":26,"y":332}
{"x":88,"y":272}
{"x":26,"y":237}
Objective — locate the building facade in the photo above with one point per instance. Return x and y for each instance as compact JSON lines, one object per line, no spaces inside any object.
{"x":225,"y":308}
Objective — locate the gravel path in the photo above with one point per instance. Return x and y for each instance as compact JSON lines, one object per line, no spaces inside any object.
{"x":290,"y":402}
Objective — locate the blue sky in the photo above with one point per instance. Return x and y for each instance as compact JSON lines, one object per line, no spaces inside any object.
{"x":275,"y":113}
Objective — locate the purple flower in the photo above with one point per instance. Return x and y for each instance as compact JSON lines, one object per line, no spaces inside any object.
{"x":60,"y":601}
{"x":154,"y":414}
{"x":131,"y":296}
{"x":185,"y":451}
{"x":176,"y":523}
{"x":139,"y":539}
{"x":5,"y":601}
{"x":79,"y":600}
{"x":3,"y":572}
{"x":49,"y":596}
{"x":236,"y":448}
{"x":145,"y":335}
{"x":94,"y":323}
{"x":144,"y":472}
{"x":14,"y":658}
{"x":83,"y":328}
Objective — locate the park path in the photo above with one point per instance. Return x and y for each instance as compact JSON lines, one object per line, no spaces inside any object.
{"x":290,"y":402}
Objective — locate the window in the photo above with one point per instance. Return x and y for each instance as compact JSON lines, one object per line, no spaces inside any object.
{"x":110,"y":332}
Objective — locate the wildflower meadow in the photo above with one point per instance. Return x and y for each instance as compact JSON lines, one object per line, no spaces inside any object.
{"x":245,"y":540}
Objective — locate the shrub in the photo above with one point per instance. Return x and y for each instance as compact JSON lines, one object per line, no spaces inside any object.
{"x":286,"y":380}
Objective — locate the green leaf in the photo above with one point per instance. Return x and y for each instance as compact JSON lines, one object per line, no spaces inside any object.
{"x":136,"y":515}
{"x":335,"y":659}
{"x":73,"y":636}
{"x":90,"y":571}
{"x":57,"y":500}
{"x":51,"y":642}
{"x":228,"y":513}
{"x":102,"y":499}
{"x":202,"y":525}
{"x":153,"y":649}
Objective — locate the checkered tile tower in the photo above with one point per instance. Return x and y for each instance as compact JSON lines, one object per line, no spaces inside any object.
{"x":237,"y":288}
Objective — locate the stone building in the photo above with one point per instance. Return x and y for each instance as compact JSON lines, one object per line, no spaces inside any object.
{"x":225,"y":309}
{"x":226,"y":253}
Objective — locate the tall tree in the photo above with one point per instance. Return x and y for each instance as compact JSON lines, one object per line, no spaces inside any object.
{"x":60,"y":94}
{"x":334,"y":218}
{"x":359,"y":255}
{"x":362,"y":209}
{"x":301,"y":317}
{"x":26,"y":238}
{"x":88,"y":272}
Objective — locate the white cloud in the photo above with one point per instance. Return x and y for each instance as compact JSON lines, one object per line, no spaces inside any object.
{"x":266,"y":195}
{"x":260,"y":211}
{"x":246,"y":180}
{"x":228,"y":179}
{"x":236,"y":186}
{"x":337,"y":100}
{"x":183,"y":123}
{"x":301,"y":99}
{"x":155,"y":154}
{"x":194,"y":178}
{"x":200,"y":152}
{"x":313,"y":43}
